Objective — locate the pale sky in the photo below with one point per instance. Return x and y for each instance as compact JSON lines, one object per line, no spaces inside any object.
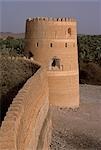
{"x":13,"y":13}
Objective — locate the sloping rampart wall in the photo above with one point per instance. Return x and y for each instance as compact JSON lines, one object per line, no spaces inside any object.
{"x":27,"y":125}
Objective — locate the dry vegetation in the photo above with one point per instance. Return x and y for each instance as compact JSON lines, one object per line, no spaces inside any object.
{"x":90,"y":73}
{"x":13,"y":74}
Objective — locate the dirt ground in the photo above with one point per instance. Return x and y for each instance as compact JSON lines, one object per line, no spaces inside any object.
{"x":79,"y":129}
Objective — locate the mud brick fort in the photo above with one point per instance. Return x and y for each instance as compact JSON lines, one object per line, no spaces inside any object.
{"x":53,"y":44}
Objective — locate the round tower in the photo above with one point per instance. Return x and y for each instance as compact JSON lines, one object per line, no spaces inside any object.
{"x":53,"y":42}
{"x":52,"y":39}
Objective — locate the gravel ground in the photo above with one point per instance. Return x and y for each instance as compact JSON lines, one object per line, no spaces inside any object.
{"x":79,"y":129}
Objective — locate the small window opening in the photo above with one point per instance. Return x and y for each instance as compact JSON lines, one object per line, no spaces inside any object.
{"x":51,"y":45}
{"x":69,"y":31}
{"x":65,"y":44}
{"x":55,"y":64}
{"x":37,"y":44}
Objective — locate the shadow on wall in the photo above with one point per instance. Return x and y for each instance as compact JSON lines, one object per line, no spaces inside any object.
{"x":7,"y":97}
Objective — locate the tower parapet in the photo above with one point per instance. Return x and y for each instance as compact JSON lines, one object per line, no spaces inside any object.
{"x":51,"y":28}
{"x":69,"y":19}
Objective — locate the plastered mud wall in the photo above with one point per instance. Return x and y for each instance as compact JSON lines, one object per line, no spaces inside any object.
{"x":27,"y":124}
{"x":51,"y":39}
{"x":47,"y":38}
{"x":63,"y":88}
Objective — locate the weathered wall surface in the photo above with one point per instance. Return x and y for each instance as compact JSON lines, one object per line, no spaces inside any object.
{"x":63,"y":88}
{"x":27,"y":125}
{"x":41,"y":33}
{"x":47,"y":38}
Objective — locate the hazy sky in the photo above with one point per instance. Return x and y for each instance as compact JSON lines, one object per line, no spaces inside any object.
{"x":14,"y":13}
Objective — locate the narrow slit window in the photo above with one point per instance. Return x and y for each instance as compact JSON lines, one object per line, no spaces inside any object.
{"x":65,"y":44}
{"x":51,"y":45}
{"x":37,"y":44}
{"x":69,"y":31}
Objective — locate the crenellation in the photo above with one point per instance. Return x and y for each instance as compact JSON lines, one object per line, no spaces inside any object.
{"x":29,"y":19}
{"x":63,"y":19}
{"x":59,"y":19}
{"x":53,"y":19}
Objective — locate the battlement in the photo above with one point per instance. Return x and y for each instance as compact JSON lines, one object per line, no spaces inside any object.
{"x":64,"y":19}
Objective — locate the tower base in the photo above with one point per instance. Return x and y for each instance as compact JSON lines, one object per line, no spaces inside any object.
{"x":63,"y":88}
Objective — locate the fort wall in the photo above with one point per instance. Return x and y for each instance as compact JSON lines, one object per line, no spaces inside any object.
{"x":27,"y":124}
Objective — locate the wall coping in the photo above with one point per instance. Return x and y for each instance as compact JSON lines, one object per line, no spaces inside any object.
{"x":10,"y":125}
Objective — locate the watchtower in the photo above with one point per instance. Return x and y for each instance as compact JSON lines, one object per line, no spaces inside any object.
{"x":53,"y":42}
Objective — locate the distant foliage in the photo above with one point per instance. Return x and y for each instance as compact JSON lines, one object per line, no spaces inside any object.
{"x":10,"y":38}
{"x":89,"y":48}
{"x":12,"y":47}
